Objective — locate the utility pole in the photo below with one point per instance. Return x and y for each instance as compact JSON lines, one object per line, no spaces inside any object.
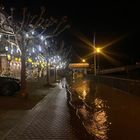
{"x":94,"y":53}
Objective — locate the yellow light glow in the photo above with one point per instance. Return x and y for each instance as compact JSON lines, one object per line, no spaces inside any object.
{"x":9,"y":57}
{"x":16,"y":59}
{"x":42,"y":65}
{"x":78,"y":65}
{"x":30,"y":60}
{"x":98,"y":50}
{"x":84,"y":94}
{"x":83,"y":60}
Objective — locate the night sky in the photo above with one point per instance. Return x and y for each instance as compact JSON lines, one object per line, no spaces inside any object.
{"x":110,"y":21}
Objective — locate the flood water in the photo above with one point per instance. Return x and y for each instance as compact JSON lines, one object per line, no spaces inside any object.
{"x":107,"y":113}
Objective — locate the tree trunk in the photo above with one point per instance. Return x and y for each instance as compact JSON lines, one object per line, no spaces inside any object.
{"x":55,"y":72}
{"x":24,"y":93}
{"x":48,"y":73}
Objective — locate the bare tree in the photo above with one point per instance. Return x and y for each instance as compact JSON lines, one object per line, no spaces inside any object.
{"x":61,"y":54}
{"x":23,"y":33}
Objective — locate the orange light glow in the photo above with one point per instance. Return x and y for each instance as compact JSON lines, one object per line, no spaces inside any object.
{"x":83,"y":60}
{"x":78,"y":65}
{"x":98,"y":50}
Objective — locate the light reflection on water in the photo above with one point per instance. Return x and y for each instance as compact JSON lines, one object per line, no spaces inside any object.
{"x":106,"y":112}
{"x":93,"y":111}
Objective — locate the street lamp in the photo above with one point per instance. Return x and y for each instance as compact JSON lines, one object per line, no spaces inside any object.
{"x":83,"y":60}
{"x":96,"y":51}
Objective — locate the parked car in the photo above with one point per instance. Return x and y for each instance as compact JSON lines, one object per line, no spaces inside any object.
{"x":9,"y":86}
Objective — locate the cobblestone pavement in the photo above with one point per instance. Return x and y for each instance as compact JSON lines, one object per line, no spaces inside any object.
{"x":50,"y":119}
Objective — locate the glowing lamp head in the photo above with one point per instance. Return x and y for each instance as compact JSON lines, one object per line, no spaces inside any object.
{"x":83,"y":60}
{"x":98,"y":50}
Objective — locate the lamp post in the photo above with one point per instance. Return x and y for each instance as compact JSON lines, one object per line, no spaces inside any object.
{"x":98,"y":50}
{"x":94,"y":49}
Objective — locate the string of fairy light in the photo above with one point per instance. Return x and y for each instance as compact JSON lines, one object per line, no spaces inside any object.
{"x":35,"y":54}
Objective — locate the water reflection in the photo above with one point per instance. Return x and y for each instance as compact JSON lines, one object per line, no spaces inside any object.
{"x":100,"y":125}
{"x":81,"y":88}
{"x":93,"y":112}
{"x":84,"y":94}
{"x":100,"y":104}
{"x":95,"y":120}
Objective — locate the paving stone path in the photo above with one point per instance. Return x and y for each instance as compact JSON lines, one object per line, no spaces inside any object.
{"x":50,"y":119}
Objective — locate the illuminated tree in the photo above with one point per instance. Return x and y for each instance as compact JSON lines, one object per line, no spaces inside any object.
{"x":60,"y":57}
{"x":24,"y":32}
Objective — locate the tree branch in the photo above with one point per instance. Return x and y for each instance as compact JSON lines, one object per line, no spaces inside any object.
{"x":40,"y":16}
{"x":5,"y":32}
{"x":23,"y":19}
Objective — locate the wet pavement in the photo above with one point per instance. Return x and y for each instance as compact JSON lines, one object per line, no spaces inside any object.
{"x":50,"y":119}
{"x":106,"y":112}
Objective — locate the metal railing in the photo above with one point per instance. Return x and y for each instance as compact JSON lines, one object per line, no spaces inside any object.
{"x":128,"y":85}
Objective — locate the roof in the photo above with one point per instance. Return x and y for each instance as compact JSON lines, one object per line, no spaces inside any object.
{"x":78,"y":65}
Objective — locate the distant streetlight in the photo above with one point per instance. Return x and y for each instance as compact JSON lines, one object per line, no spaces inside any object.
{"x":83,"y":60}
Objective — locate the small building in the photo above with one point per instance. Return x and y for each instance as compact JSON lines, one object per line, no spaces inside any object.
{"x":9,"y":67}
{"x":78,"y":69}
